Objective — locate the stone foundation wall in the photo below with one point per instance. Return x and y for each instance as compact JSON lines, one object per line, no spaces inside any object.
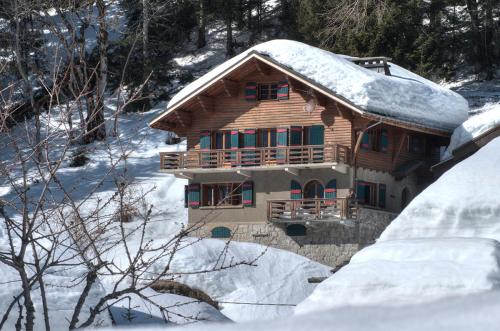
{"x":329,"y":242}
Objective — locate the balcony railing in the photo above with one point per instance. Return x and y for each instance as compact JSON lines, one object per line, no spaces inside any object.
{"x":309,"y":210}
{"x":251,"y":157}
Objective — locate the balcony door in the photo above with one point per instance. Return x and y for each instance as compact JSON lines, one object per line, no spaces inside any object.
{"x":314,"y":190}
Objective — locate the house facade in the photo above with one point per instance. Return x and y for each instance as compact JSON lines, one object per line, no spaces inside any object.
{"x":276,"y":158}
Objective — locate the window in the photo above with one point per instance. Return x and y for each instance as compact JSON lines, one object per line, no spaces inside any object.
{"x":296,"y":230}
{"x":221,"y":232}
{"x":375,"y":140}
{"x":267,"y":138}
{"x":268,"y":91}
{"x":416,"y":144}
{"x":224,"y":194}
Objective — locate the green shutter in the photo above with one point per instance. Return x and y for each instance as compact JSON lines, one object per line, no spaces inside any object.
{"x":384,"y":141}
{"x":186,"y":196}
{"x":221,"y":232}
{"x":365,"y":142}
{"x":205,"y":145}
{"x":283,"y":90}
{"x":331,"y":189}
{"x":360,"y":191}
{"x":282,"y":141}
{"x":381,"y":195}
{"x":235,"y":143}
{"x":295,"y":190}
{"x":194,"y":195}
{"x":317,"y":137}
{"x":251,"y":92}
{"x":248,"y":195}
{"x":249,"y":144}
{"x":295,"y":135}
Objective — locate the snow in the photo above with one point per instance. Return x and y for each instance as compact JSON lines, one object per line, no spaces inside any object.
{"x":279,"y":277}
{"x":487,"y":118}
{"x":445,"y":243}
{"x":132,"y":310}
{"x":404,"y":96}
{"x":473,"y":312}
{"x":463,"y":202}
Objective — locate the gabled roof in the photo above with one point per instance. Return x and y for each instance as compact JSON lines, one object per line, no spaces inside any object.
{"x":403,"y":97}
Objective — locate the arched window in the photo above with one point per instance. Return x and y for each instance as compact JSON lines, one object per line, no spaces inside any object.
{"x":314,"y":190}
{"x":296,"y":230}
{"x":221,"y":232}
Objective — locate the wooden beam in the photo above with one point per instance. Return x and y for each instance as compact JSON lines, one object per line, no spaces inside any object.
{"x":399,"y":148}
{"x":184,"y":118}
{"x":206,"y":103}
{"x":231,"y":87}
{"x":262,"y":68}
{"x":360,"y":138}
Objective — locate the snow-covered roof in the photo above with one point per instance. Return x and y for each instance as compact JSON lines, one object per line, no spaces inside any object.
{"x":487,"y":119}
{"x":403,"y":96}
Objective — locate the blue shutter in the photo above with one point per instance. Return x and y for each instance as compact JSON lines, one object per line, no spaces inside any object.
{"x":249,"y":143}
{"x":205,"y":145}
{"x":360,"y":191}
{"x":331,"y":189}
{"x":282,"y":141}
{"x":235,"y":143}
{"x":295,"y":136}
{"x":283,"y":90}
{"x":384,"y":141}
{"x":317,"y":137}
{"x":194,"y":195}
{"x":295,"y":190}
{"x":381,"y":195}
{"x":248,"y":195}
{"x":251,"y":92}
{"x":365,"y":142}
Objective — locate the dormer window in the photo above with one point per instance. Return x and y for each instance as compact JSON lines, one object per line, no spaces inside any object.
{"x":268,"y":91}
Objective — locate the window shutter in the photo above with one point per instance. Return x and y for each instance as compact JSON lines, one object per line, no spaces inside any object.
{"x":316,"y":135}
{"x":205,"y":145}
{"x":235,"y":143}
{"x":331,"y":189}
{"x":381,"y":195}
{"x":295,"y":136}
{"x":384,"y":141}
{"x":365,"y":142}
{"x":283,"y":90}
{"x":251,"y":91}
{"x":194,"y":195}
{"x":295,"y":190}
{"x":249,"y":143}
{"x":186,"y":196}
{"x":248,"y":195}
{"x":221,"y":232}
{"x":360,"y":191}
{"x":282,"y":141}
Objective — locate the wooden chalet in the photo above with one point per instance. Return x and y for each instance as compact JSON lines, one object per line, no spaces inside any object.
{"x":268,"y":145}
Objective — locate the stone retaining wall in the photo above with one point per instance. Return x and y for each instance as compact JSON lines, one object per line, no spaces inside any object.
{"x":329,"y":242}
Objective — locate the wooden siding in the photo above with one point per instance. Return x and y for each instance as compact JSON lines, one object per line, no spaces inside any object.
{"x":236,"y":113}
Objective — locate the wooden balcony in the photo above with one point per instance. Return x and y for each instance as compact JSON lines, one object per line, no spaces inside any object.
{"x":305,"y":210}
{"x":255,"y":157}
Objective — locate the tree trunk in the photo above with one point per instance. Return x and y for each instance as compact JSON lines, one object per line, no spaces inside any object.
{"x":201,"y":25}
{"x":229,"y":37}
{"x":472,"y":8}
{"x":96,"y":128}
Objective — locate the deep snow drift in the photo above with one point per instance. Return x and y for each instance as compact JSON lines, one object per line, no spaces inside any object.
{"x":437,"y":247}
{"x":404,"y":95}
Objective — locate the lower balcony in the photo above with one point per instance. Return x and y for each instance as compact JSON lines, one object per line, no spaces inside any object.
{"x":260,"y":158}
{"x":307,"y":210}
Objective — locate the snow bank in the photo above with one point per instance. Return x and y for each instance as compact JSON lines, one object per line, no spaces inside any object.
{"x":131,"y":310}
{"x":463,"y":202}
{"x":278,"y":277}
{"x":487,"y":118}
{"x":404,"y":95}
{"x":474,"y":312}
{"x":410,"y":271}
